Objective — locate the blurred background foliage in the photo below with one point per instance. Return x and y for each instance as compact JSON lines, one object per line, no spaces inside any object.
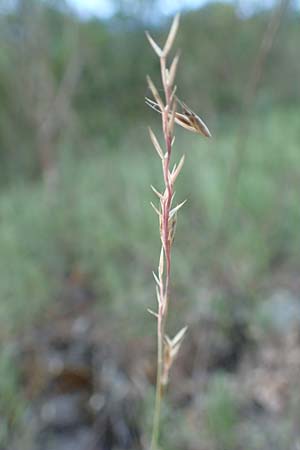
{"x":76,"y":227}
{"x":64,"y":79}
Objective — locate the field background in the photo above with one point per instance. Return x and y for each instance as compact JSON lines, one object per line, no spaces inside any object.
{"x":78,"y":238}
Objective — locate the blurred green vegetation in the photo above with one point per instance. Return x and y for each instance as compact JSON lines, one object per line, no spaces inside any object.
{"x":221,"y":412}
{"x":100,"y":221}
{"x":76,"y":165}
{"x":12,"y":404}
{"x":63,"y":79}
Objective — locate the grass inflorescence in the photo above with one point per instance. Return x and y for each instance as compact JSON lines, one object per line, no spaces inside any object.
{"x":172,"y":111}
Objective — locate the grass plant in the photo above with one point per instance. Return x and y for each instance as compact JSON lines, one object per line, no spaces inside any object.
{"x":167,"y":348}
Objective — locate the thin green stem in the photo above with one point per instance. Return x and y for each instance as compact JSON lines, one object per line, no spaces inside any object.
{"x":158,"y":394}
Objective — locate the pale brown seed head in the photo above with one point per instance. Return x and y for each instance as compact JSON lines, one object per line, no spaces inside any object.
{"x":186,"y":118}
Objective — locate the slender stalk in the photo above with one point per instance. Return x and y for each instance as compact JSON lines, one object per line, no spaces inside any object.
{"x":158,"y":394}
{"x":165,"y":289}
{"x":167,"y":348}
{"x":165,"y":259}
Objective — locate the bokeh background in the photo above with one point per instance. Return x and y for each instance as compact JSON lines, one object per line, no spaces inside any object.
{"x":78,"y":238}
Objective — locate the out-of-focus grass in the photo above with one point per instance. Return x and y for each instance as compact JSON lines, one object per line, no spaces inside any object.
{"x":25,"y":241}
{"x":101,"y":221}
{"x":221,"y":412}
{"x":12,"y":404}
